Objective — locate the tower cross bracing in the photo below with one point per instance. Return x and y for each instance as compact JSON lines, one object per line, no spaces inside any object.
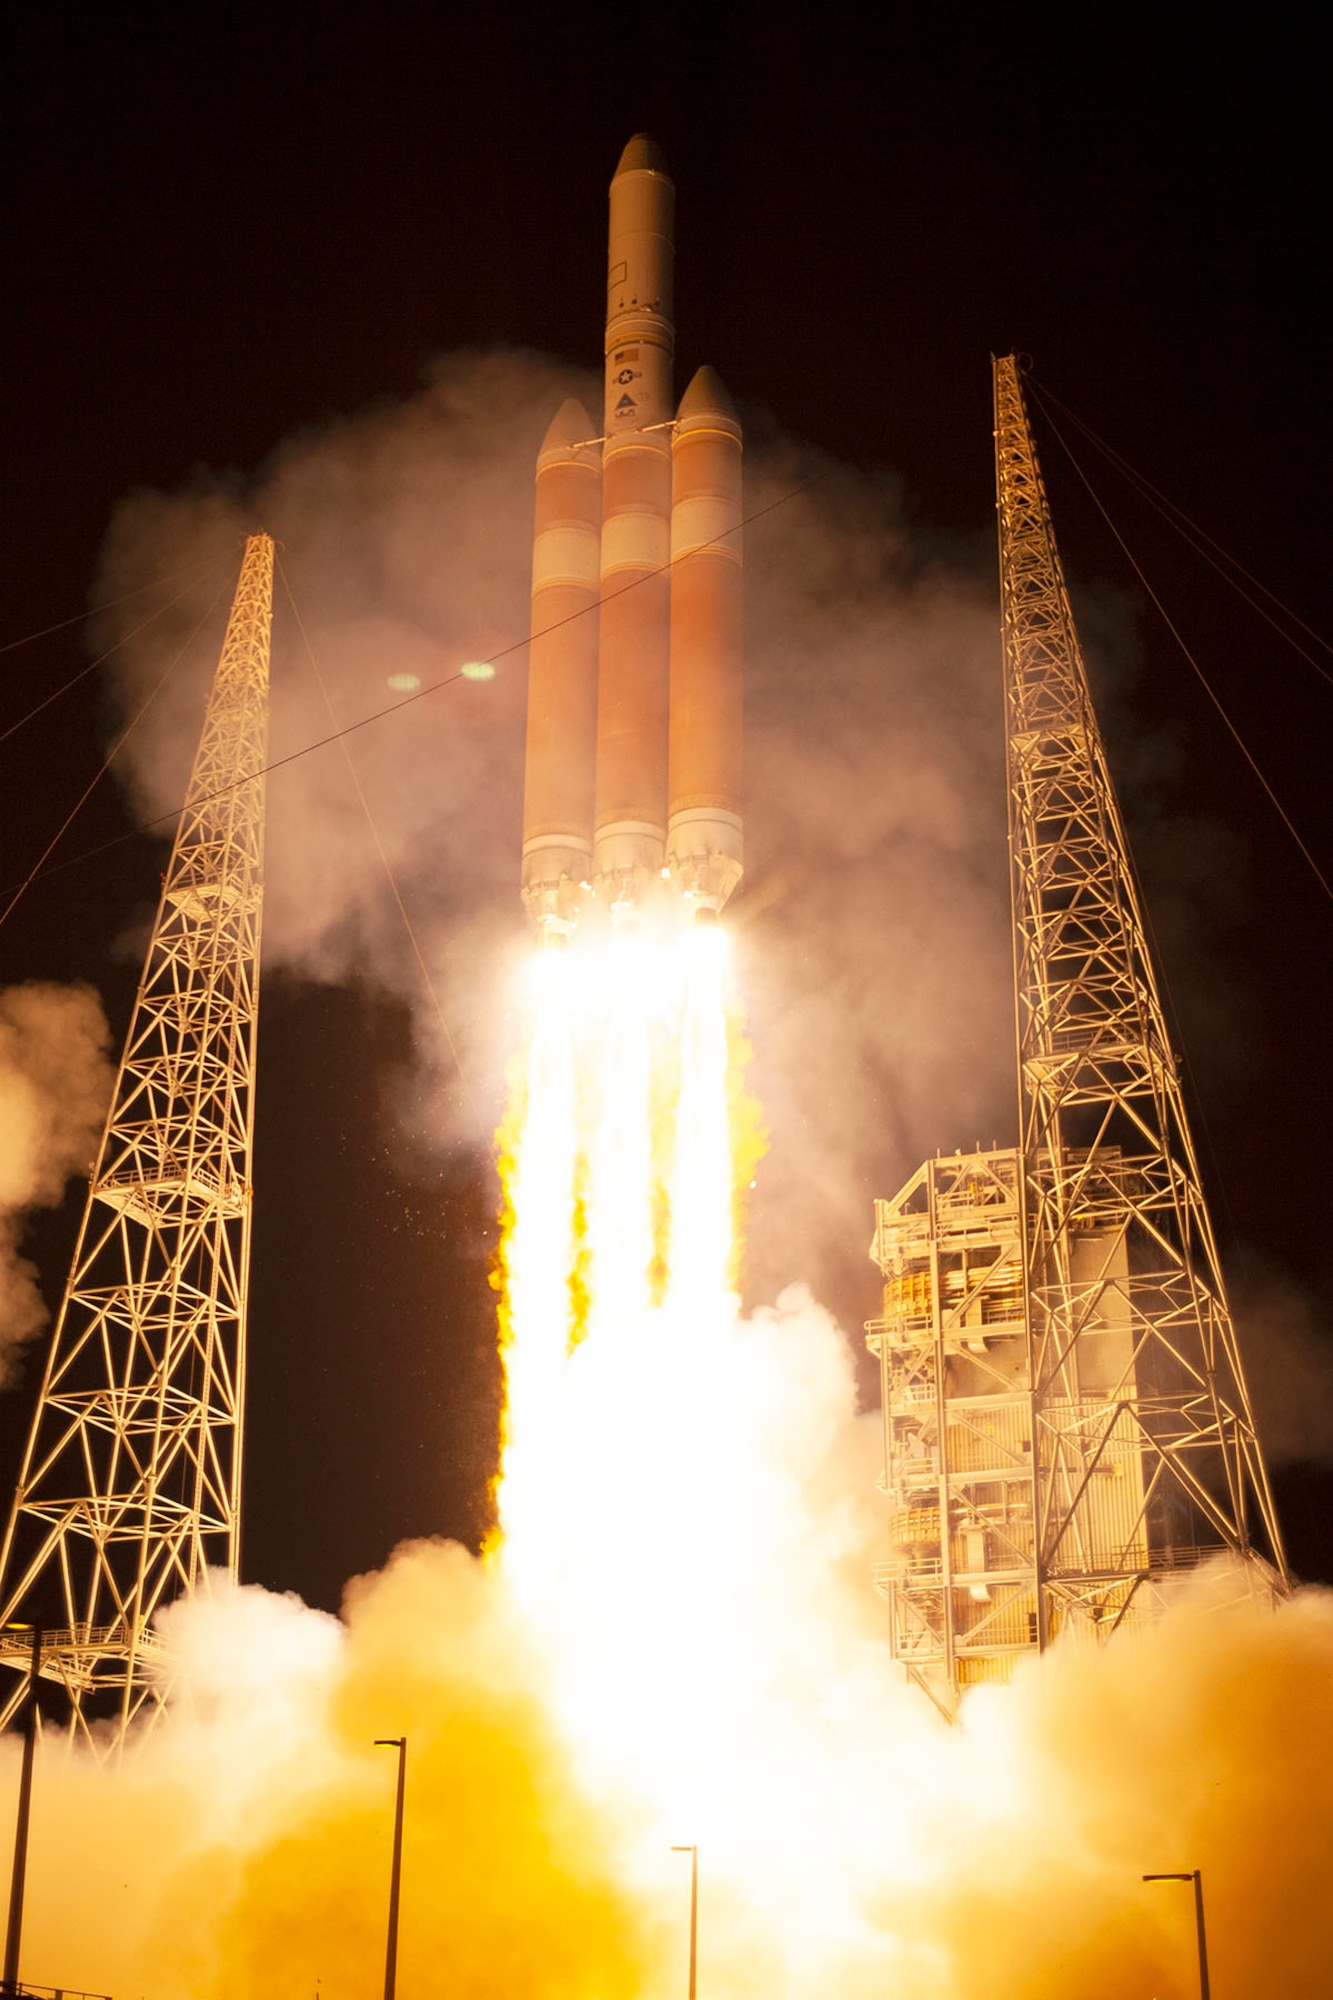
{"x":1105,"y":1138}
{"x":129,"y":1493}
{"x":1108,"y":1387}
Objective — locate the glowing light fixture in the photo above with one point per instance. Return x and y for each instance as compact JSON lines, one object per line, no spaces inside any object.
{"x":1194,"y":1875}
{"x":398,"y":1743}
{"x":404,"y":683}
{"x":477,"y":670}
{"x":14,"y":1935}
{"x":693,"y":1853}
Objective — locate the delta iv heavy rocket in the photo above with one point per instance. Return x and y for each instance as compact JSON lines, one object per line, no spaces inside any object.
{"x":632,"y":787}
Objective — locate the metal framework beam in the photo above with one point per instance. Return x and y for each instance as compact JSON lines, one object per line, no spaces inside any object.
{"x":129,"y":1494}
{"x":1105,"y":1133}
{"x":1121,"y":1439}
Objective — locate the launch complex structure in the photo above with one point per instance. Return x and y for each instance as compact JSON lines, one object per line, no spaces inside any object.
{"x":129,"y":1494}
{"x":1066,"y":1420}
{"x":632,"y":783}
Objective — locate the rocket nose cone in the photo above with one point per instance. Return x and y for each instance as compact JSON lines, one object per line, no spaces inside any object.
{"x":706,"y":392}
{"x":571,"y":424}
{"x":706,"y":401}
{"x":642,"y":155}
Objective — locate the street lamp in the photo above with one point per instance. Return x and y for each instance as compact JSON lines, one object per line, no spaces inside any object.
{"x":1194,"y":1875}
{"x":693,"y":1852}
{"x":14,"y":1934}
{"x":398,"y":1743}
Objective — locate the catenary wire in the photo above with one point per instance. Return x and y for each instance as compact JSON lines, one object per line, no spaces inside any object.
{"x":1172,"y":511}
{"x":407,"y":700}
{"x":1174,"y":516}
{"x":390,"y":877}
{"x":1204,"y":682}
{"x":91,"y":786}
{"x":197,"y":575}
{"x":95,"y":610}
{"x":1191,"y":533}
{"x":1169,"y":511}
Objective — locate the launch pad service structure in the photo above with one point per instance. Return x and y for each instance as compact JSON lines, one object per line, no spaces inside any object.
{"x":129,"y":1496}
{"x":1066,"y":1420}
{"x":632,"y":784}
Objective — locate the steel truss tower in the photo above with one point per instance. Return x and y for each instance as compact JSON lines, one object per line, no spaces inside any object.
{"x":1066,"y":1417}
{"x":131,"y":1484}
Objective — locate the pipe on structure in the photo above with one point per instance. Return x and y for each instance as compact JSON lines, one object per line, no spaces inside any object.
{"x":562,"y":671}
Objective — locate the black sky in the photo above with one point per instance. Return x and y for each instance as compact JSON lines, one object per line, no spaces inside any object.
{"x":226,"y":225}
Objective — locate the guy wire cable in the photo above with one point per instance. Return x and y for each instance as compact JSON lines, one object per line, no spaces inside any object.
{"x":392,"y":708}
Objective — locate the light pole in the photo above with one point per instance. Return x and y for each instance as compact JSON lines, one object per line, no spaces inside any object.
{"x":14,"y":1934}
{"x":398,"y":1743}
{"x":693,"y":1853}
{"x":1194,"y":1875}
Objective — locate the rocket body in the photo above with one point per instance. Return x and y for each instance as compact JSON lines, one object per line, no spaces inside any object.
{"x":636,"y":609}
{"x":634,"y":652}
{"x":640,"y":276}
{"x":704,"y":812}
{"x":562,"y":669}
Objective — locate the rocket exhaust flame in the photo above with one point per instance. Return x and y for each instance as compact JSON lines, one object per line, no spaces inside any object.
{"x":633,"y":1388}
{"x":709,"y":1664}
{"x":676,"y":1636}
{"x":620,"y":1183}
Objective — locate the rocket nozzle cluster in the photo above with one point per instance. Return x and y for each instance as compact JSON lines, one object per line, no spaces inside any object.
{"x":634,"y":691}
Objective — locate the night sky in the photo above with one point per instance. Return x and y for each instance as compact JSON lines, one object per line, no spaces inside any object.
{"x":225,"y":226}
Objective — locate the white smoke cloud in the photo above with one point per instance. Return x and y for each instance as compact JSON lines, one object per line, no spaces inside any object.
{"x":406,"y":539}
{"x":849,"y":1840}
{"x":875,"y":894}
{"x":873,"y":924}
{"x":54,"y":1086}
{"x":876,"y":959}
{"x":1289,"y":1362}
{"x":244,"y":1850}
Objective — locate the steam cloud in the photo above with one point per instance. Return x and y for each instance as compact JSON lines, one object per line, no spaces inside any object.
{"x":849,"y":1840}
{"x":54,"y":1086}
{"x":1290,"y":1367}
{"x":873,"y":919}
{"x":243,"y":1850}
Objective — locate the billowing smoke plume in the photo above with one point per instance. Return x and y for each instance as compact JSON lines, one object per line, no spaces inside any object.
{"x":876,"y":918}
{"x":405,"y":550}
{"x":54,"y":1085}
{"x":1290,"y":1364}
{"x":874,"y":911}
{"x":849,"y":1841}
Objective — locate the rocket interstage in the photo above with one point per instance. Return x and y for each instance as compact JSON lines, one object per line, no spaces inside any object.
{"x":634,"y":692}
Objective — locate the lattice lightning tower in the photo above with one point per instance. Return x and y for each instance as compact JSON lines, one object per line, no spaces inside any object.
{"x":1066,"y":1417}
{"x":131,"y":1484}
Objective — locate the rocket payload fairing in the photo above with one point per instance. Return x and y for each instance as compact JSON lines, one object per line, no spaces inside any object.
{"x":634,"y":679}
